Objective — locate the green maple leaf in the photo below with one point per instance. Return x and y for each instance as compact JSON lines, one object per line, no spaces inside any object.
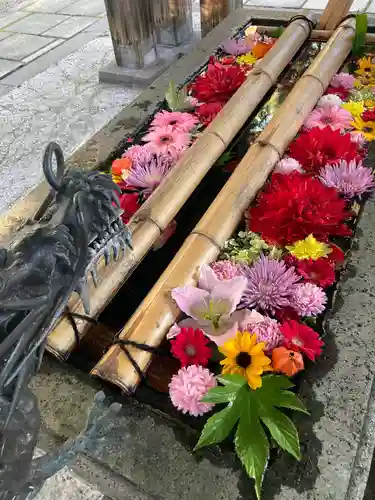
{"x":253,"y":411}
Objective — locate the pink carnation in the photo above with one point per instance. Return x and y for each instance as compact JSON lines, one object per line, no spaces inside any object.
{"x":344,"y":80}
{"x":266,"y":329}
{"x":333,"y":116}
{"x":188,"y":387}
{"x":309,"y":299}
{"x":288,"y":165}
{"x":180,"y":122}
{"x":167,"y":140}
{"x":225,"y":269}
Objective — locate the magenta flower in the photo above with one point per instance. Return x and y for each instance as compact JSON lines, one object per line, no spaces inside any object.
{"x":266,"y":328}
{"x":309,"y":299}
{"x":148,"y":172}
{"x":188,"y":387}
{"x":288,"y":165}
{"x":270,"y":285}
{"x":351,"y":179}
{"x":180,"y":122}
{"x":236,"y":47}
{"x":166,"y":140}
{"x":225,"y":269}
{"x":344,"y":80}
{"x":334,"y":116}
{"x":212,"y":304}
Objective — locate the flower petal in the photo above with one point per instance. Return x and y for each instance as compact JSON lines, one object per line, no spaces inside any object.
{"x":207,"y":278}
{"x":190,"y":299}
{"x":231,"y":290}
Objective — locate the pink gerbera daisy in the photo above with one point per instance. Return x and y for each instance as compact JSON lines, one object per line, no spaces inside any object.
{"x":333,"y":116}
{"x":181,"y":122}
{"x":166,"y":140}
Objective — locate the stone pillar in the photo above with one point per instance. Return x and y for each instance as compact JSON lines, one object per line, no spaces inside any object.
{"x":173,"y":21}
{"x":133,"y":32}
{"x":215,"y":11}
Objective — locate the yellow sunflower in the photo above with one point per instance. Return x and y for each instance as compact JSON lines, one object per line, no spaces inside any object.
{"x":354,"y":108}
{"x":366,"y":67}
{"x":366,"y":128}
{"x":245,"y":357}
{"x":248,"y":58}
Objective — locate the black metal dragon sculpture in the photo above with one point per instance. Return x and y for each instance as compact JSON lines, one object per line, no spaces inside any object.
{"x":78,"y":224}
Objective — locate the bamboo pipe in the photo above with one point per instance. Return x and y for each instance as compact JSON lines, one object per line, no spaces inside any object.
{"x":158,"y":312}
{"x":316,"y":35}
{"x":160,"y":209}
{"x":335,"y":11}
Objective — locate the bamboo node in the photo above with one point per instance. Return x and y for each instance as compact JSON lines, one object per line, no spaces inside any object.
{"x":213,"y":132}
{"x":315,"y":78}
{"x":264,"y":142}
{"x":199,"y":233}
{"x":147,"y":218}
{"x":259,"y":71}
{"x":309,"y":22}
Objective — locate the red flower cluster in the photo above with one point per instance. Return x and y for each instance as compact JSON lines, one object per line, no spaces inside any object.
{"x":342,"y":92}
{"x":296,"y":205}
{"x":369,"y":115}
{"x":207,"y":112}
{"x":301,"y":338}
{"x":190,"y":347}
{"x":320,"y":147}
{"x":321,"y":272}
{"x":129,"y":203}
{"x":219,"y":82}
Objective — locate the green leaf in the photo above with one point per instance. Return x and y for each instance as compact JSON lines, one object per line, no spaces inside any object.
{"x":225,"y":158}
{"x":232,"y":380}
{"x":251,"y":443}
{"x":175,"y":98}
{"x":359,"y":41}
{"x":220,"y":395}
{"x":282,"y":430}
{"x":280,"y":30}
{"x":276,"y":383}
{"x":287,"y":399}
{"x":219,"y":426}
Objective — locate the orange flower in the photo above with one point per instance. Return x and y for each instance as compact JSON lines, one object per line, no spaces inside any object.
{"x":286,"y":361}
{"x":261,"y":49}
{"x":119,"y":165}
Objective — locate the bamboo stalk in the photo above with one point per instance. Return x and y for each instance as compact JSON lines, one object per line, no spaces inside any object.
{"x":160,"y":209}
{"x":316,"y":35}
{"x":333,"y":14}
{"x":158,"y":312}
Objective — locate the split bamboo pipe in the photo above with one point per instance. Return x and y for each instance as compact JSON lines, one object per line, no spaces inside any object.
{"x":158,"y":312}
{"x":316,"y":35}
{"x":160,"y":209}
{"x":335,"y":11}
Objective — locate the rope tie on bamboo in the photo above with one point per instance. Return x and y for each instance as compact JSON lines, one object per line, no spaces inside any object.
{"x":310,"y":23}
{"x":71,"y":317}
{"x":199,"y":233}
{"x":216,"y":134}
{"x":265,"y":142}
{"x":323,"y":85}
{"x":261,"y":71}
{"x":147,"y":218}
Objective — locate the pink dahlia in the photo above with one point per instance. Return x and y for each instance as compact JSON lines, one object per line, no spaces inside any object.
{"x":351,"y":179}
{"x":270,"y":285}
{"x":309,"y":299}
{"x":333,"y":116}
{"x":266,"y":329}
{"x":148,"y":173}
{"x":166,"y":140}
{"x":188,"y":387}
{"x":180,"y":122}
{"x":329,"y":100}
{"x":288,"y":165}
{"x":344,"y":80}
{"x":225,"y":269}
{"x":237,"y":47}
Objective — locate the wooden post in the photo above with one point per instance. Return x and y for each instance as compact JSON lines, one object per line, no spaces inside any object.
{"x":173,"y":21}
{"x":334,"y":13}
{"x":157,"y":313}
{"x":215,"y":11}
{"x":133,"y":32}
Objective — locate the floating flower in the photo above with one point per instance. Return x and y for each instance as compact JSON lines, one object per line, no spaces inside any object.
{"x":309,"y":299}
{"x":287,"y":362}
{"x":369,"y":115}
{"x":270,"y":285}
{"x":320,"y":147}
{"x":332,"y":116}
{"x":225,"y":269}
{"x":129,"y":203}
{"x":245,"y":357}
{"x":294,"y":206}
{"x":355,"y":108}
{"x":320,"y":272}
{"x":288,"y":165}
{"x":148,"y":175}
{"x":266,"y":329}
{"x":207,"y":112}
{"x":188,"y":387}
{"x":329,"y":100}
{"x":351,"y":179}
{"x":342,"y":92}
{"x":180,"y":122}
{"x":166,"y":140}
{"x":261,"y":48}
{"x":301,"y":338}
{"x":212,"y":305}
{"x":344,"y":80}
{"x":309,"y":248}
{"x":249,"y":59}
{"x":365,"y":66}
{"x":190,"y":347}
{"x":118,"y":166}
{"x":366,"y":128}
{"x":237,"y":47}
{"x":218,"y":84}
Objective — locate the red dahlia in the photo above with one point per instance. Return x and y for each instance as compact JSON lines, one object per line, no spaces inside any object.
{"x":207,"y":112}
{"x":129,"y":203}
{"x":369,"y":115}
{"x":320,"y":147}
{"x":190,"y":347}
{"x":301,"y":338}
{"x":296,"y":205}
{"x":218,"y":84}
{"x":320,"y":272}
{"x":342,"y":92}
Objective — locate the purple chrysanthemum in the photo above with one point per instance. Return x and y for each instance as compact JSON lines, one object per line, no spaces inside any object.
{"x":351,"y":179}
{"x":236,"y":47}
{"x":225,"y":269}
{"x":309,"y":299}
{"x":148,"y":170}
{"x":270,"y":285}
